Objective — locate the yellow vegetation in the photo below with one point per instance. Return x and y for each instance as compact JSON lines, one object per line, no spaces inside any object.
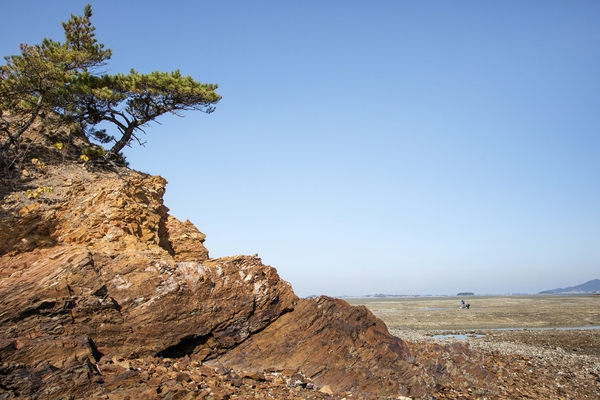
{"x":34,"y":194}
{"x":38,"y":164}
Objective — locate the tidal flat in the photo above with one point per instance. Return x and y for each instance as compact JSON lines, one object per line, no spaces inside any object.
{"x":550,"y":343}
{"x":570,"y":324}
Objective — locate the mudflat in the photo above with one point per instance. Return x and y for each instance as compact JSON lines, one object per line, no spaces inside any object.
{"x":547,"y":344}
{"x":486,"y":312}
{"x":567,"y":322}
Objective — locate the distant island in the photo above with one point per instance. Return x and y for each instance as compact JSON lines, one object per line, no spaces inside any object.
{"x":592,"y":286}
{"x":382,"y":296}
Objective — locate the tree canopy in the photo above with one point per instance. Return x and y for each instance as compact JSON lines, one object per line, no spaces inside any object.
{"x":62,"y":80}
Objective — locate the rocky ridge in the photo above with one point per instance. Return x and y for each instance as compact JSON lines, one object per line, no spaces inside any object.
{"x":103,"y":294}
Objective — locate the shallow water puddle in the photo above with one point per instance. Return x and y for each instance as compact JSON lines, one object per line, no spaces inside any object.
{"x":460,"y":337}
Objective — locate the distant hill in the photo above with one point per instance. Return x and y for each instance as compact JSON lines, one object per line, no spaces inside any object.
{"x":592,"y":286}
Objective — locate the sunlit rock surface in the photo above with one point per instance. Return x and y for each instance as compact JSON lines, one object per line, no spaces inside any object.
{"x":103,"y":294}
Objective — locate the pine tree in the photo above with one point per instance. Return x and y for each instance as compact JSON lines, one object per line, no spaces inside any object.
{"x":31,"y":83}
{"x":134,"y":100}
{"x":61,"y":79}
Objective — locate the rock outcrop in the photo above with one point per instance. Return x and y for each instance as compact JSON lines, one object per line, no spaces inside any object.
{"x":350,"y":350}
{"x":103,"y":294}
{"x":102,"y":259}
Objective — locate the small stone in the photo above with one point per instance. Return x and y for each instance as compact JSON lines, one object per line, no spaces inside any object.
{"x":182,"y":377}
{"x":207,"y":371}
{"x":256,"y":376}
{"x":235,"y":379}
{"x":220,"y":394}
{"x":326,"y":390}
{"x":297,"y":380}
{"x":123,"y":363}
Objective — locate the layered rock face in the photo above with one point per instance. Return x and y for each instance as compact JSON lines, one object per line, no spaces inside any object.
{"x":94,"y":272}
{"x":101,"y":258}
{"x":350,"y":350}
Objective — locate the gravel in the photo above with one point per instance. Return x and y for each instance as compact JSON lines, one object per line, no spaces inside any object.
{"x":488,"y":345}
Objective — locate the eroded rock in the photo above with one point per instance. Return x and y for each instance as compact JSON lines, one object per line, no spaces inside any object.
{"x":103,"y":294}
{"x":101,"y":269}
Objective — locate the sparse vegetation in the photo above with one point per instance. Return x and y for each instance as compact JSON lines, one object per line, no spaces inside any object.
{"x":39,"y":165}
{"x":34,"y":194}
{"x":29,"y":194}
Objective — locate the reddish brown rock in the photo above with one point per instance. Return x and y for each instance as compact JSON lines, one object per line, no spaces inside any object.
{"x":103,"y":294}
{"x":62,"y":352}
{"x":186,"y":240}
{"x":101,"y":262}
{"x":350,"y":350}
{"x":109,"y":264}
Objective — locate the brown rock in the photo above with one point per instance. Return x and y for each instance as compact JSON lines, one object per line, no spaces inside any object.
{"x":186,"y":240}
{"x":103,"y":269}
{"x":256,"y":376}
{"x":326,"y":389}
{"x":137,"y":393}
{"x":121,"y":362}
{"x":182,"y":377}
{"x":349,"y":349}
{"x":287,"y":371}
{"x":155,"y":381}
{"x":234,"y":379}
{"x":108,"y":273}
{"x":219,"y":393}
{"x":122,"y":380}
{"x":103,"y":294}
{"x":109,"y":369}
{"x":207,"y":371}
{"x":297,"y":380}
{"x":55,"y":350}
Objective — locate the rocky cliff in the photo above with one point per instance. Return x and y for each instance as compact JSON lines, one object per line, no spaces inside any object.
{"x":103,"y":294}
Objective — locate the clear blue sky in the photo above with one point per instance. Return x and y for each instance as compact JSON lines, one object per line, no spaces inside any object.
{"x":406,"y":147}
